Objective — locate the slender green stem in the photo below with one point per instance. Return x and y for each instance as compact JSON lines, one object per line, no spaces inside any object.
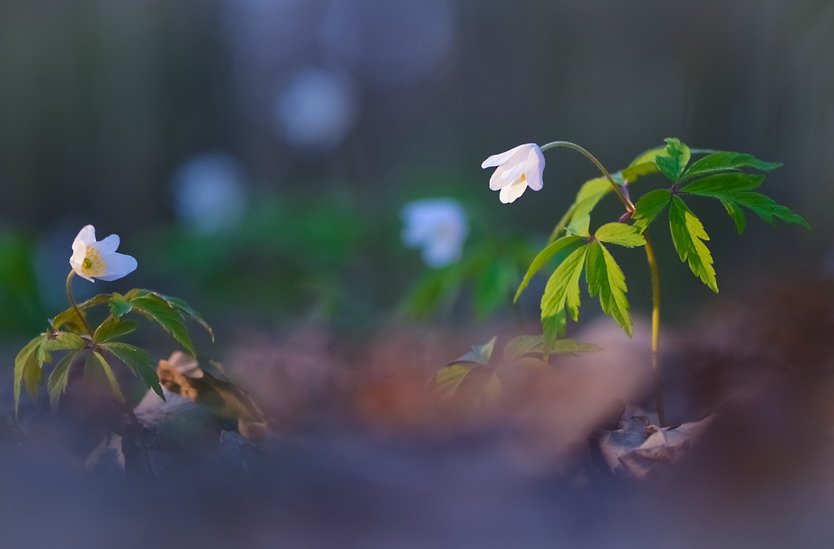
{"x":655,"y":277}
{"x":584,"y":152}
{"x":71,"y":299}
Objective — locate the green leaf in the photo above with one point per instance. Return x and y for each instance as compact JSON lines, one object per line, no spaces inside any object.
{"x":726,"y":161}
{"x":63,"y":341}
{"x":649,"y":207}
{"x":69,"y":317}
{"x":733,"y":189}
{"x":96,"y":366}
{"x":561,"y":297}
{"x":549,"y":251}
{"x":188,"y":312}
{"x":579,"y":226}
{"x":28,"y":369}
{"x":674,"y":161}
{"x":644,"y":164}
{"x":527,"y":344}
{"x":114,"y":327}
{"x":689,"y":235}
{"x":606,"y":279}
{"x":139,"y":362}
{"x":119,"y":305}
{"x":724,"y":184}
{"x":56,"y":385}
{"x":588,"y":196}
{"x":620,"y":233}
{"x":157,"y":309}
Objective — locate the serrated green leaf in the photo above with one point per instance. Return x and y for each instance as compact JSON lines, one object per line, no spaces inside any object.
{"x":733,"y":189}
{"x":119,"y":305}
{"x":606,"y":279}
{"x":56,"y":385}
{"x":726,"y":161}
{"x":188,"y":311}
{"x":768,"y":209}
{"x":527,"y":344}
{"x":565,"y":243}
{"x":561,"y":297}
{"x":674,"y":161}
{"x":139,"y":362}
{"x":649,"y":207}
{"x":63,"y":341}
{"x":157,"y":309}
{"x":28,"y":369}
{"x":621,"y":234}
{"x":724,"y":184}
{"x":69,"y":318}
{"x":96,"y":366}
{"x":114,"y":327}
{"x":736,"y":214}
{"x":689,"y":235}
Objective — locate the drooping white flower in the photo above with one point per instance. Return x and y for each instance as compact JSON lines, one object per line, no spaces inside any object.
{"x":98,"y":259}
{"x":516,"y":169}
{"x":438,"y":226}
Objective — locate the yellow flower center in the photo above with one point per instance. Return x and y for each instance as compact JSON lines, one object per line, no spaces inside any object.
{"x":93,"y":264}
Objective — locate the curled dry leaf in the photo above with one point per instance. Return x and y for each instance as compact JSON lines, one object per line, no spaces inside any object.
{"x":639,"y":447}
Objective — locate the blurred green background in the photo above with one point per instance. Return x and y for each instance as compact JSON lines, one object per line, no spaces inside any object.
{"x":255,"y":155}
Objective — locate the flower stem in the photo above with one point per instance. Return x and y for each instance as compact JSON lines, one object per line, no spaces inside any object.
{"x":629,"y":206}
{"x":655,"y":277}
{"x":71,"y":299}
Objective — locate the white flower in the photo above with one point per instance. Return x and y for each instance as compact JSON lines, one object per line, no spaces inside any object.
{"x":438,"y":226}
{"x":98,"y":259}
{"x":516,"y":170}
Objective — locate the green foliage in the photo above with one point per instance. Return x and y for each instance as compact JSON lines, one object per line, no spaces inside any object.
{"x":566,"y":243}
{"x":724,"y":161}
{"x":69,"y":333}
{"x":734,"y":190}
{"x":59,"y":378}
{"x":621,"y":234}
{"x":606,"y":279}
{"x":476,"y":376}
{"x":673,"y":163}
{"x":97,"y":367}
{"x":649,"y":206}
{"x":156,"y":309}
{"x":689,"y":235}
{"x":488,"y":271}
{"x":561,"y":297}
{"x":138,"y":361}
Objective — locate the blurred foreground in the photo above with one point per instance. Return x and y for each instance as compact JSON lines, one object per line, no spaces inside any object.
{"x":362,"y":453}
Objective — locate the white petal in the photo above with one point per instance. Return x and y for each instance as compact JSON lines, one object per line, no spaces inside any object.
{"x":76,"y":266}
{"x":85,"y":236}
{"x":535,"y":169}
{"x":511,"y":192}
{"x":501,"y":158}
{"x":109,"y":244}
{"x":118,"y":265}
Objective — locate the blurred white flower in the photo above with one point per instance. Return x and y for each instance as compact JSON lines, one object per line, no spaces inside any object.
{"x":516,"y":169}
{"x":316,"y":110}
{"x":210,"y":193}
{"x":438,"y":226}
{"x":98,"y":259}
